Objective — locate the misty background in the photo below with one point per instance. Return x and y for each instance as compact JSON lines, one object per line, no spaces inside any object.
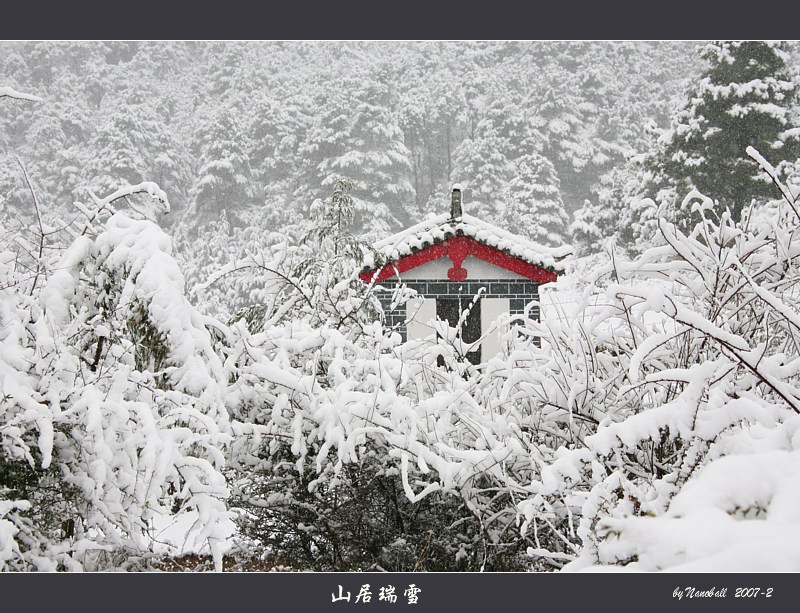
{"x":260,"y":129}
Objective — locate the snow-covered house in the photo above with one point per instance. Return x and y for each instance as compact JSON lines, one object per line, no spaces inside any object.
{"x":449,"y":260}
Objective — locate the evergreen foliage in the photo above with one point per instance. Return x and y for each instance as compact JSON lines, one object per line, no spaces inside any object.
{"x":744,"y":98}
{"x":533,"y":202}
{"x":223,"y":181}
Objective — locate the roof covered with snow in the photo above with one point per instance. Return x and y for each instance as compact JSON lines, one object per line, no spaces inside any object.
{"x":442,"y":227}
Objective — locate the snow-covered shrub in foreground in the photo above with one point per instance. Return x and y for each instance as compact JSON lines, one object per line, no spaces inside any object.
{"x":112,"y":409}
{"x":739,"y":513}
{"x":693,"y":464}
{"x":336,"y":433}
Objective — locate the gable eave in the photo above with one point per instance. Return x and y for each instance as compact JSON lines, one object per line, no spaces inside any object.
{"x":442,"y":228}
{"x":457,"y":247}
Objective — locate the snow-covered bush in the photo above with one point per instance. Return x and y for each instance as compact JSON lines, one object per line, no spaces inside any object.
{"x":112,"y":410}
{"x":333,"y":424}
{"x":688,"y":366}
{"x":325,"y":428}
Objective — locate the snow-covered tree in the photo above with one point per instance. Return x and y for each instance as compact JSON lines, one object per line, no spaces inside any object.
{"x":589,"y":229}
{"x":485,"y":170}
{"x":624,"y":212}
{"x":112,"y":415}
{"x":430,"y":108}
{"x":744,"y":98}
{"x":357,"y":138}
{"x":276,"y":132}
{"x":224,"y":179}
{"x":119,"y":144}
{"x":533,"y":205}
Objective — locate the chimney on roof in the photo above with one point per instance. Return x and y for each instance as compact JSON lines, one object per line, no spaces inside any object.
{"x":455,"y":203}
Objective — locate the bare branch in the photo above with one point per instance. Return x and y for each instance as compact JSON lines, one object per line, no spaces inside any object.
{"x":39,"y":223}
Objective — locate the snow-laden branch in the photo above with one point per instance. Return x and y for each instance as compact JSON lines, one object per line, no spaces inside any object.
{"x":9,"y":92}
{"x":159,"y":205}
{"x":788,"y":196}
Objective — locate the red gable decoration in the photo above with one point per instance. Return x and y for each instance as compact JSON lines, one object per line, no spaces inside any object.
{"x":457,"y":235}
{"x":457,"y":248}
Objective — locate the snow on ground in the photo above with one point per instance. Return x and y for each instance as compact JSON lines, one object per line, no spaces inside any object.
{"x":741,"y":513}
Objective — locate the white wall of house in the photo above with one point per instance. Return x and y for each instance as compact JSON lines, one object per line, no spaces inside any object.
{"x":476,"y":269}
{"x":435,"y":270}
{"x":421,"y":312}
{"x":491,"y":310}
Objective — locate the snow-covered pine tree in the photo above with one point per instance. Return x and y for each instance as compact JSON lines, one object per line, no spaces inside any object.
{"x":744,"y":98}
{"x":227,"y":76}
{"x":429,"y":111}
{"x":121,"y":145}
{"x":566,"y":122}
{"x":277,"y":129}
{"x":224,"y":180}
{"x":533,"y":205}
{"x":499,"y":133}
{"x":357,"y":138}
{"x":589,"y":229}
{"x":624,"y":213}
